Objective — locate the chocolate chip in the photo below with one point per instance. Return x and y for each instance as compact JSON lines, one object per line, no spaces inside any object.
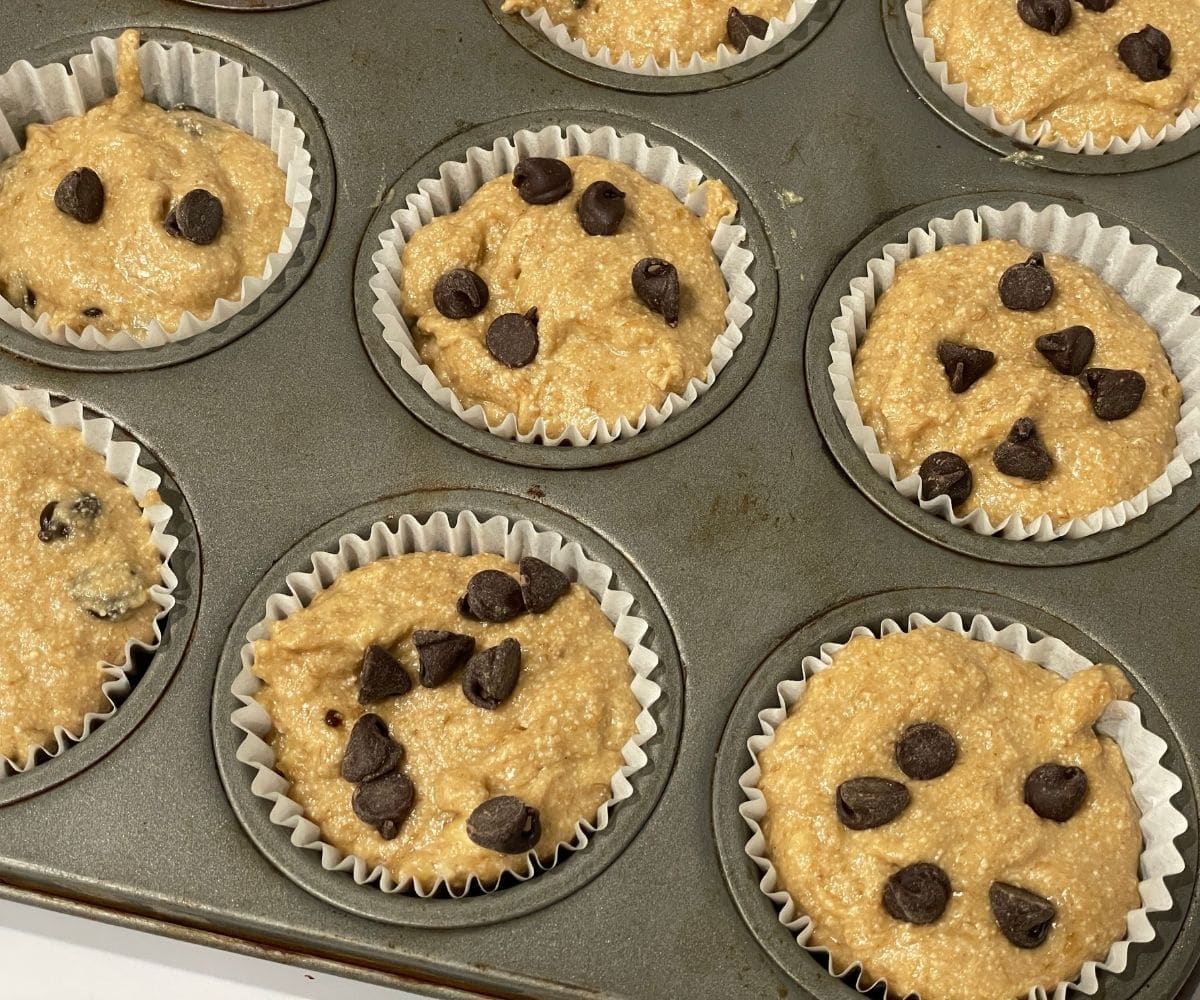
{"x":865,"y":803}
{"x":1024,"y":917}
{"x":494,"y":596}
{"x":109,"y":592}
{"x":1067,"y":350}
{"x":946,"y":474}
{"x":460,"y":294}
{"x":464,"y":607}
{"x":601,"y":209}
{"x":81,"y":196}
{"x":87,"y":506}
{"x":381,"y":676}
{"x":61,"y":519}
{"x":1099,"y":6}
{"x":1027,"y":287}
{"x":93,"y":312}
{"x":541,"y":585}
{"x":492,"y":675}
{"x":579,"y":4}
{"x":1046,"y":15}
{"x":964,"y":365}
{"x":384,"y":803}
{"x":333,"y":718}
{"x":440,"y":653}
{"x":512,"y":339}
{"x":1022,"y":453}
{"x":1115,"y":392}
{"x":1056,"y":791}
{"x":740,"y":27}
{"x":505,"y":824}
{"x":197,"y":217}
{"x":542,"y":180}
{"x":917,"y":894}
{"x":50,"y":527}
{"x":656,"y":283}
{"x":1147,"y":53}
{"x":370,"y":751}
{"x":926,"y":751}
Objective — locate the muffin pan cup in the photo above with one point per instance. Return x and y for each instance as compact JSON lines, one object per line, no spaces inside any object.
{"x":733,"y":525}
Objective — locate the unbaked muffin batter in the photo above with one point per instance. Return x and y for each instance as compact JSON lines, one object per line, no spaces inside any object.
{"x":125,"y":270}
{"x":1009,"y":716}
{"x":1074,"y":80}
{"x":60,"y":568}
{"x":602,"y":352}
{"x":555,"y":742}
{"x":903,"y":393}
{"x":650,"y":29}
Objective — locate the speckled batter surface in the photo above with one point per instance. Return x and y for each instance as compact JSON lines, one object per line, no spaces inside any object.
{"x":1008,"y":716}
{"x":1074,"y":80}
{"x":650,"y":29}
{"x":555,"y":743}
{"x":602,"y":354}
{"x":51,"y":650}
{"x":902,"y":391}
{"x":127,"y":264}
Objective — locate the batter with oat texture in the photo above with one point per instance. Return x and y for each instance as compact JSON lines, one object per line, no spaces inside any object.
{"x":555,"y":742}
{"x":1009,"y":716}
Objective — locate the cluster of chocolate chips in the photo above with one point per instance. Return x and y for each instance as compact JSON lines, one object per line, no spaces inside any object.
{"x":384,"y":797}
{"x":920,"y":892}
{"x":1146,"y":53}
{"x":1115,"y":393}
{"x":197,"y":217}
{"x":512,"y":338}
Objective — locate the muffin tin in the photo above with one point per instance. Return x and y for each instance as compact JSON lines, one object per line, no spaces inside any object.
{"x":739,"y":531}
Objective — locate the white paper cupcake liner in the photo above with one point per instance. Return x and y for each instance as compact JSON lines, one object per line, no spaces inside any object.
{"x":1019,"y":130}
{"x":121,"y":461}
{"x":677,"y":65}
{"x":1153,"y":788}
{"x":466,"y":536}
{"x":172,"y":74}
{"x":458,"y":180}
{"x":1132,"y":269}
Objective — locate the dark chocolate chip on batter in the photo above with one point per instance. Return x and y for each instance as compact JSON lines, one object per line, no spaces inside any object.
{"x":384,"y":803}
{"x":741,"y":27}
{"x":81,"y":195}
{"x":109,"y":592}
{"x":440,"y":653}
{"x":1147,"y":54}
{"x":505,"y":824}
{"x":1027,"y":287}
{"x":656,"y":283}
{"x":965,"y":365}
{"x":542,"y":180}
{"x":494,"y":596}
{"x":381,"y":676}
{"x":1056,"y":791}
{"x":541,"y":584}
{"x":1097,"y":6}
{"x":946,"y":474}
{"x":1067,"y":350}
{"x":61,"y":519}
{"x":1116,"y":392}
{"x":197,"y":218}
{"x":512,"y":339}
{"x":460,"y":294}
{"x":917,"y":894}
{"x":865,"y":803}
{"x":491,"y":675}
{"x":1024,"y":917}
{"x":93,"y":312}
{"x":1051,"y":16}
{"x":1022,"y":453}
{"x":370,"y":751}
{"x":51,"y":527}
{"x":926,"y":751}
{"x":333,"y":718}
{"x":601,"y":209}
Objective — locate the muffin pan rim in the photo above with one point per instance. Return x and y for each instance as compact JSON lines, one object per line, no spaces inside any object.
{"x":1158,"y":520}
{"x":511,"y":901}
{"x":277,"y":293}
{"x":1178,"y":953}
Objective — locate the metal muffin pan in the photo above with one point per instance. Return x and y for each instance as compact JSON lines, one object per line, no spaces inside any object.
{"x":741,"y":531}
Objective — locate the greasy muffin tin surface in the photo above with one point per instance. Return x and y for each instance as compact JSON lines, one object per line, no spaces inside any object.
{"x":744,"y":530}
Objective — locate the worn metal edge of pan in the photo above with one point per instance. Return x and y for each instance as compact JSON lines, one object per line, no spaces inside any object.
{"x":1157,"y":520}
{"x":338,"y":888}
{"x":729,"y":383}
{"x":316,"y":230}
{"x":538,"y":45}
{"x":161,"y":664}
{"x":905,"y":52}
{"x":1157,"y":969}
